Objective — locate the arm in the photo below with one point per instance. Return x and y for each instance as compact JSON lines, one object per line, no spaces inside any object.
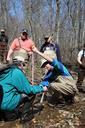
{"x":9,"y":54}
{"x":22,"y":84}
{"x":79,"y":57}
{"x":58,"y":52}
{"x":11,"y":50}
{"x":42,"y":55}
{"x":41,"y":49}
{"x":6,"y":39}
{"x":79,"y":60}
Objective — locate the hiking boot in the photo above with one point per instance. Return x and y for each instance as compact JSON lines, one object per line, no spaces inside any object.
{"x":10,"y":116}
{"x":50,"y":104}
{"x":69,"y":99}
{"x":81,"y":90}
{"x":26,"y":117}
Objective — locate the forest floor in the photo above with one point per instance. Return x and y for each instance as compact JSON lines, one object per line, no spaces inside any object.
{"x":72,"y":116}
{"x":68,"y":116}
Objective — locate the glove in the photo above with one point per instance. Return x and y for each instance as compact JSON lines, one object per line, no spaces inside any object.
{"x":45,"y":88}
{"x":44,"y":83}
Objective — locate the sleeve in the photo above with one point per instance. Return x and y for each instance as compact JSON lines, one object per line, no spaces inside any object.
{"x":80,"y":54}
{"x":32,"y":44}
{"x":6,"y":39}
{"x":22,"y":84}
{"x":60,"y":67}
{"x":13,"y":44}
{"x":41,"y":49}
{"x":58,"y":52}
{"x":0,"y":38}
{"x":46,"y":79}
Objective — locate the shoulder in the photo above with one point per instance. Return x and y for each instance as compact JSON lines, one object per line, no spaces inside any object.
{"x":80,"y":53}
{"x":16,"y":71}
{"x":30,"y":41}
{"x":15,"y":40}
{"x":55,"y":62}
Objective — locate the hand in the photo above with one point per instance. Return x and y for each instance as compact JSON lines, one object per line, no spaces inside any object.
{"x":35,"y":49}
{"x":8,"y":59}
{"x":30,"y":53}
{"x":45,"y":88}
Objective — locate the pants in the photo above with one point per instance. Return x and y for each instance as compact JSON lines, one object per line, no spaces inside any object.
{"x":64,"y":85}
{"x":23,"y":107}
{"x":81,"y":76}
{"x":25,"y":103}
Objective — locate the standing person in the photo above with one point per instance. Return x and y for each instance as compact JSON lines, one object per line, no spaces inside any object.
{"x":81,"y":73}
{"x":3,"y":45}
{"x":16,"y":93}
{"x":21,"y":47}
{"x":60,"y":80}
{"x":3,"y":37}
{"x":49,"y":45}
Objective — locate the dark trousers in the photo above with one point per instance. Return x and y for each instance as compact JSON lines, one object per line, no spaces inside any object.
{"x":81,"y":76}
{"x":23,"y":107}
{"x":25,"y":103}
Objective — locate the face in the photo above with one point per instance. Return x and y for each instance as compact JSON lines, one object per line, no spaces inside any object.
{"x":24,"y":35}
{"x":48,"y":67}
{"x":3,"y":33}
{"x":47,"y":40}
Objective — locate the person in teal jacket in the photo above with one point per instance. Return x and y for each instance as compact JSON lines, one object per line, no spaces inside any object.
{"x":16,"y":87}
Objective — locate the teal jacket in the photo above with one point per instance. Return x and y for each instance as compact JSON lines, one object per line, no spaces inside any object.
{"x":15,"y":83}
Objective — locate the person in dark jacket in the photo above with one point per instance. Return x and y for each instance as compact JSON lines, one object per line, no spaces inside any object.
{"x":17,"y":91}
{"x":3,"y":45}
{"x":48,"y":44}
{"x":3,"y":37}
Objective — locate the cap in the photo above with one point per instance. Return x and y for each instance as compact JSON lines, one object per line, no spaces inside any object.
{"x":51,"y":54}
{"x":24,"y":31}
{"x":46,"y":36}
{"x":2,"y":30}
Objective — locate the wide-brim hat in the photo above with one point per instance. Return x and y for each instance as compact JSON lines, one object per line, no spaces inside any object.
{"x":51,"y":54}
{"x":43,"y":62}
{"x":19,"y":58}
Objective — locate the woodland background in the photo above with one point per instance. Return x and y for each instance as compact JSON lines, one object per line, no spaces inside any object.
{"x":65,"y":19}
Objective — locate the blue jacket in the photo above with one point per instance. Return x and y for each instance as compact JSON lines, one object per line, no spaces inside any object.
{"x":59,"y":69}
{"x":15,"y":83}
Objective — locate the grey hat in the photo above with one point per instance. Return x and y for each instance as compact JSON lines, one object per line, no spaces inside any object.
{"x":24,"y":31}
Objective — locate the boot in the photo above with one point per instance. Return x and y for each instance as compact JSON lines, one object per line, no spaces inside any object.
{"x":27,"y":113}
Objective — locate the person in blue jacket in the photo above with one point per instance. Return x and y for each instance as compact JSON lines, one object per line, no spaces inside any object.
{"x":17,"y":90}
{"x":58,"y":77}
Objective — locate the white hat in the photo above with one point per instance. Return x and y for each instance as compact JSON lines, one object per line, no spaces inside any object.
{"x":50,"y":53}
{"x":20,"y":58}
